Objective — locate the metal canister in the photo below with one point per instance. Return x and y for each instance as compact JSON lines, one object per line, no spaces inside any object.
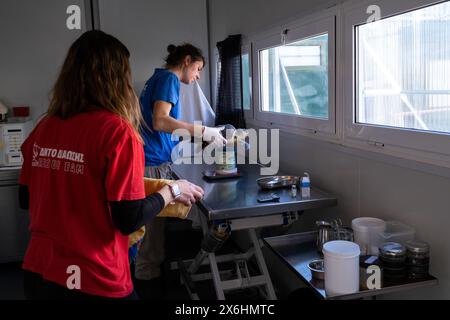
{"x":393,"y":258}
{"x":227,"y":156}
{"x":417,"y":259}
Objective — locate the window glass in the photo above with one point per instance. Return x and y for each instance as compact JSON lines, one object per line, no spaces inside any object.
{"x":294,"y":78}
{"x":403,"y":70}
{"x":246,"y":81}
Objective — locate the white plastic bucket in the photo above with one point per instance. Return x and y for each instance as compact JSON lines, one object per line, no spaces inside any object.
{"x":364,"y":230}
{"x":341,"y":264}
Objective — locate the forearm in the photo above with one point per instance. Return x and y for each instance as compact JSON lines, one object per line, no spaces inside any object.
{"x":130,"y":216}
{"x":166,"y":195}
{"x":169,"y":124}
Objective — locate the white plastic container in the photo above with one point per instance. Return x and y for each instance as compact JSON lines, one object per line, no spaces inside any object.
{"x":394,"y":232}
{"x":341,"y":264}
{"x":365,"y":230}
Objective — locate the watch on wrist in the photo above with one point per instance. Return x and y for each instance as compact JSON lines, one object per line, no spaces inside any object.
{"x":175,"y":190}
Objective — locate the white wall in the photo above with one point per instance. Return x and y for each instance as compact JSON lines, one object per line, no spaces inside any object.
{"x":365,"y":184}
{"x":34,"y":41}
{"x":148,"y":27}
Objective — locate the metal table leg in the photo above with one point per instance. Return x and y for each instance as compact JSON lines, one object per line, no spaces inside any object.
{"x":262,"y":265}
{"x":216,"y":277}
{"x":244,"y":280}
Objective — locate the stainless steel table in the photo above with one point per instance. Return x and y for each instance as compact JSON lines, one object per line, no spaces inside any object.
{"x":233,"y":202}
{"x":237,"y":197}
{"x":297,"y":250}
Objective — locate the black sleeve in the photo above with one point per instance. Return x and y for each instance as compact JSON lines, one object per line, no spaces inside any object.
{"x":130,"y":216}
{"x":24,"y":197}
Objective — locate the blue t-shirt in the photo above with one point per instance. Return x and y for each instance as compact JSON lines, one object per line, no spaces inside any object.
{"x":164,"y":85}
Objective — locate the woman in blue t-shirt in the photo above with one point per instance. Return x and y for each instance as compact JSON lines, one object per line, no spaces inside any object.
{"x":160,"y":106}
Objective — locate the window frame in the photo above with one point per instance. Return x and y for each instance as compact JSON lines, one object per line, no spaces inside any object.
{"x":425,"y":146}
{"x":247,"y":49}
{"x":308,"y":28}
{"x":214,"y":76}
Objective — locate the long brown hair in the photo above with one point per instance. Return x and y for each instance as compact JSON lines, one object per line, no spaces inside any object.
{"x":96,"y":72}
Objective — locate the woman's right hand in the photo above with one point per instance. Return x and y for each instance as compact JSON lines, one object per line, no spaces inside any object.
{"x":213,"y":135}
{"x":190,"y":193}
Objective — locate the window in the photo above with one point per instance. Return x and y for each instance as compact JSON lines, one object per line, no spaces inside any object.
{"x":295,"y":72}
{"x":396,"y":79}
{"x":294,"y":78}
{"x":403,"y":70}
{"x":246,"y":81}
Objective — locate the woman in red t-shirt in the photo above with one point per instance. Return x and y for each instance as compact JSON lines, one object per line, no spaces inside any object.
{"x":82,"y":178}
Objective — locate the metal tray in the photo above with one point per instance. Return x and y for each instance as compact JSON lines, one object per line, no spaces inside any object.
{"x":276,"y":182}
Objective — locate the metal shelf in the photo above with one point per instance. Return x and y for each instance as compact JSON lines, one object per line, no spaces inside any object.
{"x":297,"y":250}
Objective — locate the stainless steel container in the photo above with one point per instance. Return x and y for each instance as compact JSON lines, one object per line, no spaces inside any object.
{"x":393,"y":258}
{"x":317,"y":269}
{"x":393,"y":253}
{"x":326,"y":233}
{"x":417,"y":259}
{"x":275,"y":182}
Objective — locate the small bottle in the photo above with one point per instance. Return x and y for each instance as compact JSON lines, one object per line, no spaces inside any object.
{"x":306,"y":186}
{"x":294,"y":191}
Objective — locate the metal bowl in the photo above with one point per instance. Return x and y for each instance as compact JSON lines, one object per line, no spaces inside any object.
{"x":276,"y":182}
{"x":317,"y":269}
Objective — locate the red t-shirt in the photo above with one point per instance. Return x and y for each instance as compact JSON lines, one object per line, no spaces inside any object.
{"x":73,"y":168}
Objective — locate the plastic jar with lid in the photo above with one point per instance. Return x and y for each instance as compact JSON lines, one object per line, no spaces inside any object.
{"x":341,"y":264}
{"x":417,"y":259}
